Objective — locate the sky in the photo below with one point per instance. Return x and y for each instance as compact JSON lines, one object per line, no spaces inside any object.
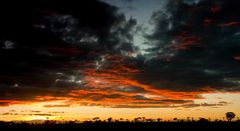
{"x":120,"y":58}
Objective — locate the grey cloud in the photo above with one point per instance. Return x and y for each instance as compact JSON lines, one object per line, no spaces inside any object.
{"x":130,"y":89}
{"x":194,"y":54}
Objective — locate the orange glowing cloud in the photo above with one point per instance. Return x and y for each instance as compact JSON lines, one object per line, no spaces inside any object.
{"x":113,"y":84}
{"x":10,"y":102}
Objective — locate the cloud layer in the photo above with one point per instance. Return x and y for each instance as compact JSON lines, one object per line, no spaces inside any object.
{"x":84,"y":54}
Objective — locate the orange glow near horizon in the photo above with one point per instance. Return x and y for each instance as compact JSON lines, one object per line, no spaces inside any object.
{"x":113,"y":92}
{"x":37,"y":111}
{"x":109,"y":94}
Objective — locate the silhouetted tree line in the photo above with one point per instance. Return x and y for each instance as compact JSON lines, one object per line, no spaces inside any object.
{"x":138,"y":122}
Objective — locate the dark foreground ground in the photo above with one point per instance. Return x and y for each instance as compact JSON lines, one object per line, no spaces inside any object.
{"x":122,"y":125}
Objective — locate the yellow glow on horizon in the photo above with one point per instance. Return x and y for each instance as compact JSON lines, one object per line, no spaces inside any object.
{"x":35,"y":118}
{"x":87,"y":112}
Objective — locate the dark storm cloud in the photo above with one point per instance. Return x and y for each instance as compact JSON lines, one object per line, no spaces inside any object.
{"x":83,"y":52}
{"x":195,"y":45}
{"x":42,"y":45}
{"x":28,"y":93}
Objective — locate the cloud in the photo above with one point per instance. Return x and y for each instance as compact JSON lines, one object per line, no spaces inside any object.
{"x":84,"y":54}
{"x":35,"y":111}
{"x":173,"y":104}
{"x":130,"y":89}
{"x":42,"y":114}
{"x":21,"y":114}
{"x":8,"y":113}
{"x":51,"y":44}
{"x":50,"y":106}
{"x":195,"y":50}
{"x":57,"y":112}
{"x":4,"y":103}
{"x":215,"y":105}
{"x":31,"y":113}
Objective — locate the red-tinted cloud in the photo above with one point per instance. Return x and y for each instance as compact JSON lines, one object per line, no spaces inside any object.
{"x":237,"y":58}
{"x":230,"y":24}
{"x":185,"y":41}
{"x":215,"y":9}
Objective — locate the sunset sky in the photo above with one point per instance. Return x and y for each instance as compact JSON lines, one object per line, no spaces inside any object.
{"x":76,"y":60}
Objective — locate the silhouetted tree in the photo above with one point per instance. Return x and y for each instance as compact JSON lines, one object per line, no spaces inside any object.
{"x":230,"y":116}
{"x":202,"y":120}
{"x":109,"y":119}
{"x":137,"y":119}
{"x":96,"y":119}
{"x":188,"y":119}
{"x":121,"y":119}
{"x":193,"y":119}
{"x":159,"y":120}
{"x":143,"y":119}
{"x":148,"y":120}
{"x":175,"y":119}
